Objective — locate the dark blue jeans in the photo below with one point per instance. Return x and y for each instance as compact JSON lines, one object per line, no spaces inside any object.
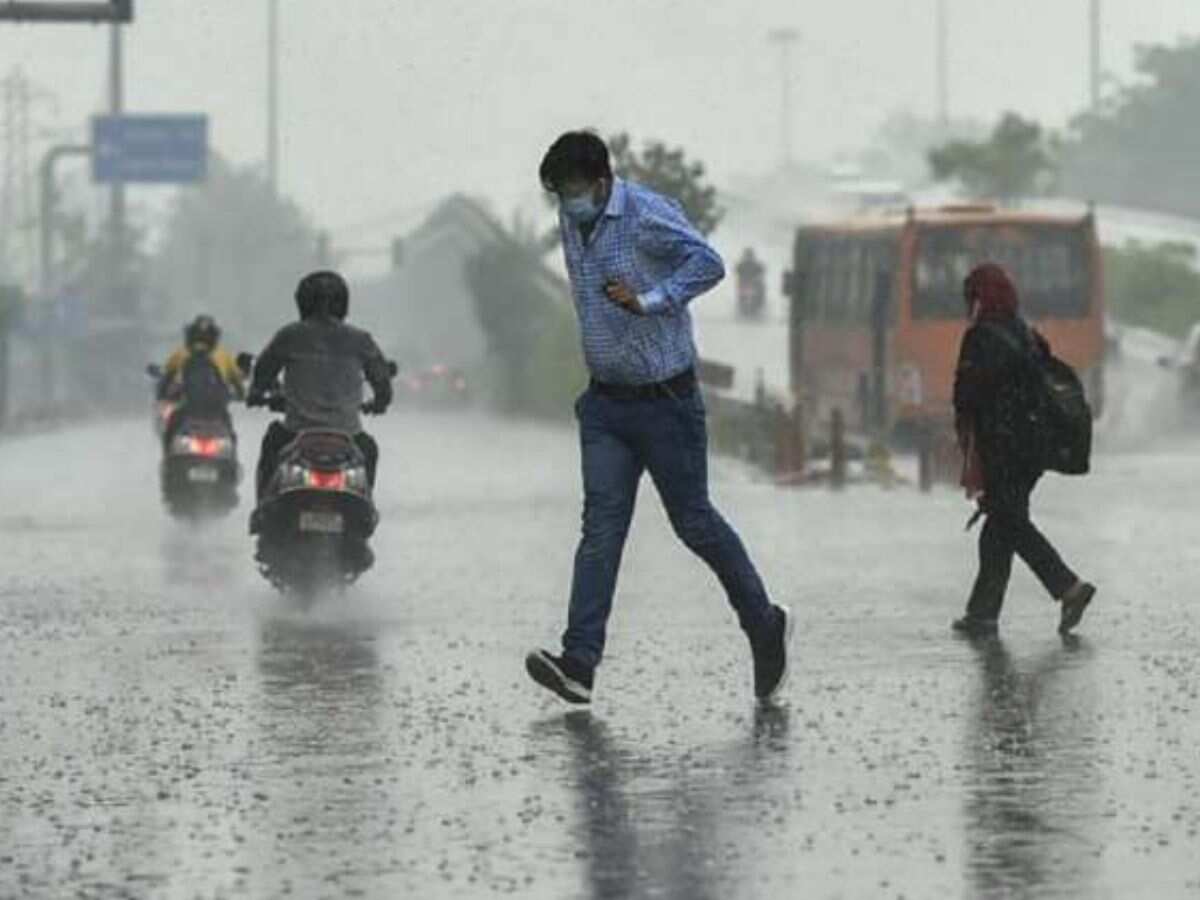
{"x":667,"y":437}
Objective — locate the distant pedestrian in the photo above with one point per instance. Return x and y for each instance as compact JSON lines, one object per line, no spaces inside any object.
{"x":635,"y":262}
{"x":996,"y":398}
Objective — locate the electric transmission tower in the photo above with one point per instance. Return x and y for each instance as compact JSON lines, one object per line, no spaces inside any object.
{"x":18,"y":184}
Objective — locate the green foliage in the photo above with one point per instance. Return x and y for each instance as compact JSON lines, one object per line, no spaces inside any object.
{"x":900,"y":147}
{"x":669,"y":172}
{"x":1154,"y":286}
{"x":12,"y":301}
{"x":533,"y":345}
{"x":1141,"y":147}
{"x":1016,"y":160}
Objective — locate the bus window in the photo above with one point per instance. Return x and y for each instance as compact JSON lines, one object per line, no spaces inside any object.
{"x":855,"y":256}
{"x":816,"y":278}
{"x":850,"y":284}
{"x":878,"y":263}
{"x":839,"y":298}
{"x":1047,"y":264}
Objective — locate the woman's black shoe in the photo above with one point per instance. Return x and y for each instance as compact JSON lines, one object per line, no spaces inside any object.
{"x":974,"y":627}
{"x":1074,"y":602}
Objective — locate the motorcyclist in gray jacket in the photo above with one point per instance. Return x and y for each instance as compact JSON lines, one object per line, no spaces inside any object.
{"x":323,"y":361}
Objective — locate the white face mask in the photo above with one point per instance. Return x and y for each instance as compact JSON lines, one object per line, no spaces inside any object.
{"x":580,"y":209}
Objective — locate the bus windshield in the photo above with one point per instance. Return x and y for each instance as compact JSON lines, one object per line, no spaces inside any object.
{"x":1049,"y":265}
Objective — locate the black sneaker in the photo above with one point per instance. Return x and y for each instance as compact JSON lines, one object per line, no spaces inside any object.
{"x":1074,"y":602}
{"x":568,"y":678}
{"x":973,"y":626}
{"x":771,"y":656}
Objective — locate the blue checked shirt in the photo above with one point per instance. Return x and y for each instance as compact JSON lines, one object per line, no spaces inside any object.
{"x":643,"y":239}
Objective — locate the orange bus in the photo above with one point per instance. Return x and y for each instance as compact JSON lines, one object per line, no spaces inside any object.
{"x":877,"y":312}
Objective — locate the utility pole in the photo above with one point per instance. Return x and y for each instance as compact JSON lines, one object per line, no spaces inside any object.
{"x":273,"y":94}
{"x":1095,"y":54}
{"x":117,"y":13}
{"x":943,"y":69}
{"x":784,"y":39}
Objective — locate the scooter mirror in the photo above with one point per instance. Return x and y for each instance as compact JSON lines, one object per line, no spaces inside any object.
{"x":154,"y":371}
{"x":393,"y":369}
{"x":245,"y":362}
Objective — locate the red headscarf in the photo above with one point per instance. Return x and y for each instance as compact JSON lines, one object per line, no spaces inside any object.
{"x":990,"y":285}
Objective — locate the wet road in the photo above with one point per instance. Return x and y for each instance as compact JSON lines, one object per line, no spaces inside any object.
{"x":171,"y":729}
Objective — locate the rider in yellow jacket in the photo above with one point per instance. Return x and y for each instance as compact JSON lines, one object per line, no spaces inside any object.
{"x":203,"y":335}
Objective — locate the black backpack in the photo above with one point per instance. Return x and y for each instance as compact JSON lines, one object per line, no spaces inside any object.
{"x":204,"y":390}
{"x":1063,"y":416}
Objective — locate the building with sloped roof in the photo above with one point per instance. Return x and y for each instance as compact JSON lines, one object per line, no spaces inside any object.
{"x":423,"y":312}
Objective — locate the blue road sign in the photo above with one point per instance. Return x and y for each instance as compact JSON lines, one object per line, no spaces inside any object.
{"x":159,"y":149}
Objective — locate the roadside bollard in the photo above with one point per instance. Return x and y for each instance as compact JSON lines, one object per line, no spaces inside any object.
{"x":790,"y":444}
{"x":837,"y":450}
{"x":925,"y":460}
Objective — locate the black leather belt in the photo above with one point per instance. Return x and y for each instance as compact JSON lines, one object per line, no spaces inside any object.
{"x":677,"y":386}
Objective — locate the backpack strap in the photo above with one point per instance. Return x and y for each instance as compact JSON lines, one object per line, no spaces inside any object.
{"x":1027,"y":349}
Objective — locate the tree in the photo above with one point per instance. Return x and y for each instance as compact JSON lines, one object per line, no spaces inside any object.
{"x":11,"y":303}
{"x":234,"y":249}
{"x":12,"y":306}
{"x":1140,"y":148}
{"x":1153,"y":285}
{"x":669,"y":172}
{"x":529,"y":327}
{"x":1016,"y":160}
{"x":900,"y":146}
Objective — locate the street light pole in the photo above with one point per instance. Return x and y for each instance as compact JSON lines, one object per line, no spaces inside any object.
{"x":273,"y":94}
{"x":116,"y":207}
{"x":784,"y":38}
{"x":48,"y":206}
{"x":943,"y":69}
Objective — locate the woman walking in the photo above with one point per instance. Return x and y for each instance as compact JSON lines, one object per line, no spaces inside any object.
{"x":996,"y":398}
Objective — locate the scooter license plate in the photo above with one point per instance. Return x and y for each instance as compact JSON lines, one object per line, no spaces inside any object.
{"x":322,"y":522}
{"x":203,"y":475}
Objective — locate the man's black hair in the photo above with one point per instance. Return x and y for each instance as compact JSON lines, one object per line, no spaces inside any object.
{"x":578,"y":155}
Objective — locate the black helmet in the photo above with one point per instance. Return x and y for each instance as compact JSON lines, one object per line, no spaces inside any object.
{"x":322,"y":294}
{"x":202,"y":330}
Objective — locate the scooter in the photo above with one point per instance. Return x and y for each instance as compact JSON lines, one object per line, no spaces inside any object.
{"x":199,"y":472}
{"x":316,"y":515}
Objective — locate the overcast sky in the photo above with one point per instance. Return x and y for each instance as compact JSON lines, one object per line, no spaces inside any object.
{"x":390,"y":104}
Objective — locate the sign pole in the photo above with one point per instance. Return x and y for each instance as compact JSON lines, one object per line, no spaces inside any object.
{"x":116,"y":217}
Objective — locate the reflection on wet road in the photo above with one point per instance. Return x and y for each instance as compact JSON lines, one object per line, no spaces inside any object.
{"x":1031,"y":810}
{"x":644,"y":821}
{"x":170,"y":728}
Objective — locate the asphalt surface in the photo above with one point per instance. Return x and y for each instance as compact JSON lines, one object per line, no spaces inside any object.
{"x":170,"y":728}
